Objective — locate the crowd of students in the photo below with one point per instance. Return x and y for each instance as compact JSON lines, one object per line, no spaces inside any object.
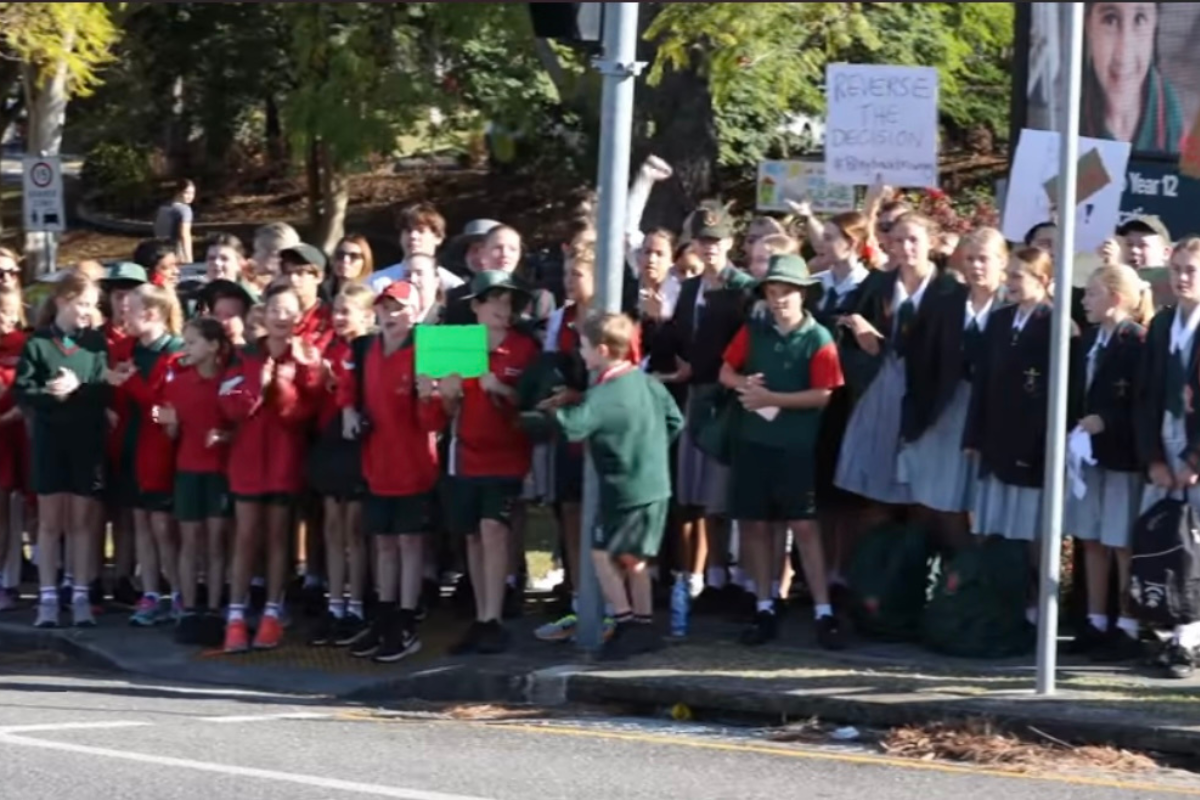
{"x":899,"y":373}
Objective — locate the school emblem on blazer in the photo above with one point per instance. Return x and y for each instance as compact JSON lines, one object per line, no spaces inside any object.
{"x":1122,"y":387}
{"x":1031,"y":380}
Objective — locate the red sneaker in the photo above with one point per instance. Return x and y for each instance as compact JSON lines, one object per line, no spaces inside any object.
{"x":237,"y":636}
{"x":270,"y":633}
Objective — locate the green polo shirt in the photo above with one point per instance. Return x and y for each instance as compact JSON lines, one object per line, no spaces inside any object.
{"x":629,"y":422}
{"x":802,"y":359}
{"x":85,"y":354}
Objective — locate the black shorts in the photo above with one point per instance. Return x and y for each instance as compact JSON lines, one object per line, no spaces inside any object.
{"x":402,"y":515}
{"x":62,"y":463}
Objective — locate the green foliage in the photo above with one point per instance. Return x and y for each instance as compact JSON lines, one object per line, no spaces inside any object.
{"x":44,"y":36}
{"x":765,"y":59}
{"x":115,"y":176}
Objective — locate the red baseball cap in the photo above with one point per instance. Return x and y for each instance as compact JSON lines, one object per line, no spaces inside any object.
{"x":401,"y":291}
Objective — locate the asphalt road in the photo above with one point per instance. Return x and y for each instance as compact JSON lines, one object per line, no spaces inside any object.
{"x":67,"y":736}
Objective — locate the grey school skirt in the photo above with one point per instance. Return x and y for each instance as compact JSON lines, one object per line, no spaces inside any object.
{"x":702,"y":480}
{"x":1014,"y":512}
{"x":1107,"y":511}
{"x":939,"y":474}
{"x":1175,"y":441}
{"x":867,"y":461}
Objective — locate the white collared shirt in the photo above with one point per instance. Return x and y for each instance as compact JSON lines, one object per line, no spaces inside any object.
{"x":1103,"y":337}
{"x":900,"y":295}
{"x":1022,"y":317}
{"x":1184,"y":331}
{"x":831,"y":285}
{"x":382,"y":278}
{"x":980,"y":319}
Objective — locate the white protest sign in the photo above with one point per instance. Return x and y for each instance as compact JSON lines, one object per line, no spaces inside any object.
{"x":1032,"y":187}
{"x":780,"y":181}
{"x":42,"y":194}
{"x":881,"y":125}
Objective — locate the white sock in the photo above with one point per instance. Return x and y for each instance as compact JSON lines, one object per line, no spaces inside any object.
{"x":337,"y":608}
{"x":766,"y":605}
{"x":356,"y":609}
{"x":775,"y":589}
{"x":750,"y":586}
{"x":153,"y":597}
{"x":695,"y":582}
{"x":1099,"y":622}
{"x":1031,"y":615}
{"x":1129,"y":626}
{"x":822,"y":610}
{"x":273,"y":610}
{"x":716,"y":577}
{"x":48,"y":594}
{"x":237,"y":612}
{"x":79,"y":594}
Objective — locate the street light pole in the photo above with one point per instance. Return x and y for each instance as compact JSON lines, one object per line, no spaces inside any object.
{"x":619,"y":68}
{"x":1064,"y":266}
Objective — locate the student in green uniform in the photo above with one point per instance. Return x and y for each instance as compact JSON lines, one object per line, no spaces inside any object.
{"x":629,"y":421}
{"x":784,"y":369}
{"x":60,"y":384}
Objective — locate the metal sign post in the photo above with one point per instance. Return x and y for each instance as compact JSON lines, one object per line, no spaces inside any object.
{"x":1056,"y":441}
{"x":619,"y":68}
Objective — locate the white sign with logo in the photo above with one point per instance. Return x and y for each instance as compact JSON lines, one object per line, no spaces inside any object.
{"x":42,"y":189}
{"x":780,"y":181}
{"x":881,"y":125}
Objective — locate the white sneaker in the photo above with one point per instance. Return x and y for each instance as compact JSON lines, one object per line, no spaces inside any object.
{"x":81,"y":613}
{"x":47,"y":614}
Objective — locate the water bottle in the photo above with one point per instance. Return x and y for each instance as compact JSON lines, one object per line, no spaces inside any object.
{"x":681,"y":599}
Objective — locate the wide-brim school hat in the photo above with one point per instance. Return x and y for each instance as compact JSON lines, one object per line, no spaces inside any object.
{"x":305,"y":254}
{"x":1145,"y":223}
{"x":215,"y":290}
{"x":491,"y":280}
{"x":124,"y":275}
{"x":789,"y":269}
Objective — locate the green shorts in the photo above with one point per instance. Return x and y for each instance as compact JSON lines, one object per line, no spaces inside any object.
{"x":201,"y":496}
{"x":469,"y":501}
{"x":769,"y":484}
{"x":266,"y":498}
{"x":636,"y":531}
{"x":62,"y":464}
{"x":162,"y":502}
{"x":403,"y":515}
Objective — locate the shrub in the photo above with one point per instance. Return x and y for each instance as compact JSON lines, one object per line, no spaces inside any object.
{"x":118,"y":178}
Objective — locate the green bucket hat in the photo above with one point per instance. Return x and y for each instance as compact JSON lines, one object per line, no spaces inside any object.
{"x":215,"y":290}
{"x":789,"y":269}
{"x":124,"y":274}
{"x":711,"y":221}
{"x":494,"y":279}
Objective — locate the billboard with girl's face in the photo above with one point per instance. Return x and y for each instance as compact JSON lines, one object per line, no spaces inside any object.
{"x":1141,"y":84}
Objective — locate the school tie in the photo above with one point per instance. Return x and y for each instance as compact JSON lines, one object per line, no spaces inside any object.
{"x":1176,"y":381}
{"x":972,"y":347}
{"x":904,"y":319}
{"x":1093,"y":358}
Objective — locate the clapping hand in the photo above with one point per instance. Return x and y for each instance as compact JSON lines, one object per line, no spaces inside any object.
{"x":63,"y":384}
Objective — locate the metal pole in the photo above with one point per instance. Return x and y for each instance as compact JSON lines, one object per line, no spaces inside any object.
{"x":619,"y":68}
{"x":1064,"y":264}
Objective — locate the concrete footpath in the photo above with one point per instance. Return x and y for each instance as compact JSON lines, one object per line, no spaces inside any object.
{"x":709,"y":675}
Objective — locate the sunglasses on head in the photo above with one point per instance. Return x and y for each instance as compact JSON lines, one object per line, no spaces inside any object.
{"x":350,"y":254}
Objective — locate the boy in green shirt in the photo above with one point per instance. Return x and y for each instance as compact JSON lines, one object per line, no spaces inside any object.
{"x":784,"y":368}
{"x":629,"y":421}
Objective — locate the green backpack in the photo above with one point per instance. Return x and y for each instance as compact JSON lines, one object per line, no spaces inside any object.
{"x":888,"y":575}
{"x":978,"y":606}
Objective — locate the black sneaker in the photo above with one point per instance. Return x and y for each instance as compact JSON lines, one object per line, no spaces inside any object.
{"x":399,"y":641}
{"x":514,"y":602}
{"x":1087,"y":640}
{"x":367,"y":643}
{"x":829,"y":634}
{"x":470,"y":641}
{"x":258,"y":599}
{"x":431,"y":593}
{"x":96,"y":592}
{"x":201,"y":595}
{"x":641,"y":638}
{"x":312,"y":600}
{"x":765,"y":629}
{"x":1180,"y":662}
{"x":348,"y":628}
{"x":1117,"y":646}
{"x":323,"y":632}
{"x":188,"y":630}
{"x":493,"y":639}
{"x":710,"y":601}
{"x":212,"y":629}
{"x":125,"y":593}
{"x":840,"y":597}
{"x":614,"y":648}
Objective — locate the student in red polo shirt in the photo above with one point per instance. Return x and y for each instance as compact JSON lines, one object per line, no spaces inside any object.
{"x":401,"y":415}
{"x":14,"y":444}
{"x":269,"y":396}
{"x":188,"y":408}
{"x":489,"y":455}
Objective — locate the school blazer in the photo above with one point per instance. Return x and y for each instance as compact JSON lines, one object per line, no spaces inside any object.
{"x":934,"y":367}
{"x":1150,"y":396}
{"x":1111,"y":395}
{"x":725,"y":312}
{"x":1010,"y":397}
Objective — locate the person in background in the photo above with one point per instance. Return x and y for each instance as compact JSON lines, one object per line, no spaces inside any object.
{"x":464,"y":253}
{"x":304,"y":266}
{"x":173,"y":222}
{"x":225,"y":258}
{"x":1145,"y":242}
{"x":229,"y":303}
{"x":14,"y":441}
{"x":10,"y":269}
{"x":422,"y":274}
{"x":159,"y":259}
{"x":269,"y":241}
{"x":1118,"y":304}
{"x":422,"y":230}
{"x":1125,"y":94}
{"x":353,"y":262}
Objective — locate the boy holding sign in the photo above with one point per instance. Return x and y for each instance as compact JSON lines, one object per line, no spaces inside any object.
{"x":489,"y":455}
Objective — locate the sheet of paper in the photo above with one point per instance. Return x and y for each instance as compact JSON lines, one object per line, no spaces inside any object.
{"x":1079,"y":452}
{"x":769,"y":413}
{"x":451,"y":350}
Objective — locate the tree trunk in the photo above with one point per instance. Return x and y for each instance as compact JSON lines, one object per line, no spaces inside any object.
{"x":46,"y":104}
{"x":335,"y":198}
{"x":174,"y":133}
{"x":312,"y":168}
{"x":276,"y":151}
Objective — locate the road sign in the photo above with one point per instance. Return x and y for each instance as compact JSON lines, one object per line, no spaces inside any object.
{"x":42,"y":198}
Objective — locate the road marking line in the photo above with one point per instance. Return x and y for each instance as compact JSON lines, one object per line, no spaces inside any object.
{"x":266,"y":717}
{"x":877,"y":761}
{"x":69,"y":726}
{"x":333,"y":784}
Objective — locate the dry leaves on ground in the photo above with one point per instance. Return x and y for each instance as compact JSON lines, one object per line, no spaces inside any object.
{"x":978,"y":742}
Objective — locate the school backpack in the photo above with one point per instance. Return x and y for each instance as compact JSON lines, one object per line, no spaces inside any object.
{"x":888,"y":576}
{"x":978,"y":605}
{"x":1164,"y":571}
